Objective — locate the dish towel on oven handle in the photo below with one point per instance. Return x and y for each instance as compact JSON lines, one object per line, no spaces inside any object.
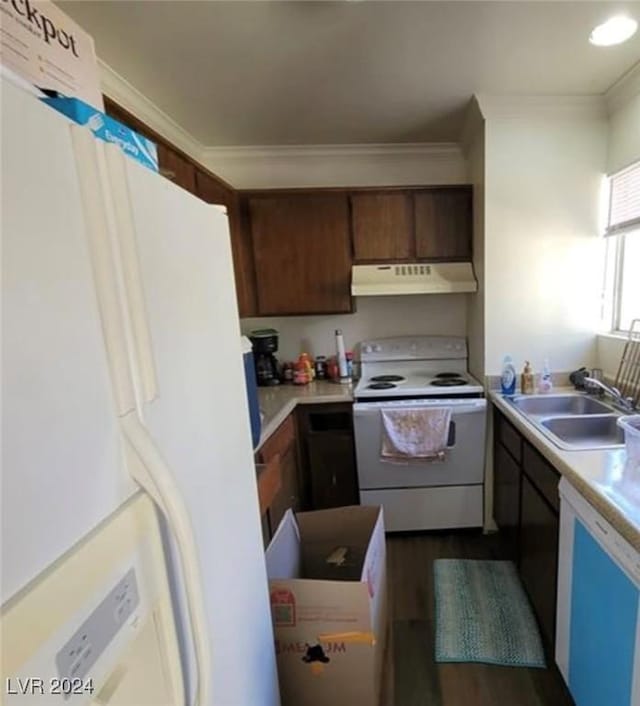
{"x":415,"y":433}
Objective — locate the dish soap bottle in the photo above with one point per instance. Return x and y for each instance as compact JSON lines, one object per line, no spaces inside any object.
{"x":546,"y":384}
{"x":527,"y":384}
{"x":508,"y":377}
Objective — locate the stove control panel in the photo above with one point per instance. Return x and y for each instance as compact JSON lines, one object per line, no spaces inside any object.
{"x":413,"y":348}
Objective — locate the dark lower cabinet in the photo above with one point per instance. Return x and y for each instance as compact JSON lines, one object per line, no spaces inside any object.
{"x":266,"y":529}
{"x":287,"y":497}
{"x":281,"y":449}
{"x":328,"y":455}
{"x":526,"y":510}
{"x":309,"y":464}
{"x":332,"y":470}
{"x":506,"y":500}
{"x":539,"y":527}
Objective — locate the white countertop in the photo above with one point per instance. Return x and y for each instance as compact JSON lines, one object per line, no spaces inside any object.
{"x":602,"y":476}
{"x":277,"y":402}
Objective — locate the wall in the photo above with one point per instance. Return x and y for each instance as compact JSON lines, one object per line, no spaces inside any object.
{"x":442,"y":314}
{"x":542,"y":251}
{"x":624,"y":134}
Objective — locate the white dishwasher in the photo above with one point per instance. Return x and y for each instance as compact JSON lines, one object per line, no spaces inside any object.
{"x":97,"y":627}
{"x":598,"y":625}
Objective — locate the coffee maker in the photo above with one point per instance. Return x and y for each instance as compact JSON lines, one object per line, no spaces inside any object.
{"x":265,"y":344}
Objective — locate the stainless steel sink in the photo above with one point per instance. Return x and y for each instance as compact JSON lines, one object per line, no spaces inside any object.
{"x":573,"y":422}
{"x":559,"y":405}
{"x":585,"y":432}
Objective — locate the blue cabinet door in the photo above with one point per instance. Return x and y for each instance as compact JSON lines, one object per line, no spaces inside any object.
{"x":604,"y":614}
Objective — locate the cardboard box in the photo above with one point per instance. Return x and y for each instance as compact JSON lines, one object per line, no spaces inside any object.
{"x":330,"y":630}
{"x":44,"y":46}
{"x":107,"y":129}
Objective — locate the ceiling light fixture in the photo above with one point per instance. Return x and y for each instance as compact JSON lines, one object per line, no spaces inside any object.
{"x":614,"y":31}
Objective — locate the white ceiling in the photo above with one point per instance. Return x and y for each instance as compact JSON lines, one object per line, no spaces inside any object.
{"x":287,"y":73}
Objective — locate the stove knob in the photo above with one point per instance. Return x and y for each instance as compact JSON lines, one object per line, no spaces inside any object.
{"x":366,"y":348}
{"x":377,"y":348}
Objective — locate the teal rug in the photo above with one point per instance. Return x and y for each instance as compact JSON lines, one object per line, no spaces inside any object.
{"x":483,"y":615}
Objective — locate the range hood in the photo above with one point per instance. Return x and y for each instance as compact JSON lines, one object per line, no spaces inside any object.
{"x":412,"y":278}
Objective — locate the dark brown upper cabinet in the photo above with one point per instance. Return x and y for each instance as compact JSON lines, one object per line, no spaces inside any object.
{"x":404,"y":225}
{"x":302,"y":252}
{"x":443,"y":223}
{"x":174,"y":166}
{"x":213,"y":190}
{"x":382,"y":226}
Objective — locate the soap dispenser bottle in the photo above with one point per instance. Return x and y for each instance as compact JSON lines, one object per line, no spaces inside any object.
{"x":546,"y":383}
{"x":508,"y":377}
{"x":527,"y":379}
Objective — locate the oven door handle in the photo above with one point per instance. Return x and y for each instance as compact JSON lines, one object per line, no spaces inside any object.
{"x":364,"y":408}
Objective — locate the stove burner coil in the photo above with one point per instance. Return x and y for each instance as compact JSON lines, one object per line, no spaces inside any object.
{"x":387,"y":378}
{"x":449,"y":382}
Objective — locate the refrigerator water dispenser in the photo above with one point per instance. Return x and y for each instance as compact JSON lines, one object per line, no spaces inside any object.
{"x":97,"y":627}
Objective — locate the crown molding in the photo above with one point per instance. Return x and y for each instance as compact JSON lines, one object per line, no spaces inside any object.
{"x":291,"y":166}
{"x":624,"y":89}
{"x":473,"y":123}
{"x":547,"y":107}
{"x":432,"y":150}
{"x":130,"y":98}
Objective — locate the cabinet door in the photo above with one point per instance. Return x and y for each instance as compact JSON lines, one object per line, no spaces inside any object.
{"x":302,"y":253}
{"x":216,"y":191}
{"x":243,"y":262}
{"x":382,"y":226}
{"x":288,"y":496}
{"x":542,"y":475}
{"x":443,"y":223}
{"x":539,"y":557}
{"x":506,"y":499}
{"x":175,"y":167}
{"x":332,"y":469}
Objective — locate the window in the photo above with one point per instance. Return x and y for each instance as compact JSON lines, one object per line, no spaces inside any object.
{"x":622,"y":277}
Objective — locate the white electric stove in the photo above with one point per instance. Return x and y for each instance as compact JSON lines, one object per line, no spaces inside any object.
{"x":418,"y":372}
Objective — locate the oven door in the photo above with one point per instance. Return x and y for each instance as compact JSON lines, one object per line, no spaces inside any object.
{"x":464,"y":459}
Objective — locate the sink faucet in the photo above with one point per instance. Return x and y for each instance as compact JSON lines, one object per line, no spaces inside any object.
{"x":625,"y":403}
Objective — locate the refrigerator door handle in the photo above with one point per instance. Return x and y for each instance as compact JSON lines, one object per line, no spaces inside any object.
{"x":150,"y":471}
{"x":126,"y":242}
{"x":100,"y":247}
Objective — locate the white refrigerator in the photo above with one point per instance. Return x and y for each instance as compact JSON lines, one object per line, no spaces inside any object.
{"x":122,"y":366}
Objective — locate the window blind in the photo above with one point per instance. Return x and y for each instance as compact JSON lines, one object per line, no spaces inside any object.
{"x":624,"y":204}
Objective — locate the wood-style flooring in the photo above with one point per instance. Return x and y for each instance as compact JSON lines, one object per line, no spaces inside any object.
{"x":411,"y":676}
